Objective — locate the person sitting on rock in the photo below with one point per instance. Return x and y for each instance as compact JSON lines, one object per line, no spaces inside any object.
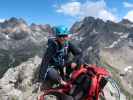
{"x":56,"y":57}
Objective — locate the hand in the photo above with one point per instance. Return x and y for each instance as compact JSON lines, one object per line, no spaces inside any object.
{"x":63,"y":82}
{"x":73,"y":65}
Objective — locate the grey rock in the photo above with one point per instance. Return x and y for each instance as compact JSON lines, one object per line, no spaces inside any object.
{"x":17,"y":83}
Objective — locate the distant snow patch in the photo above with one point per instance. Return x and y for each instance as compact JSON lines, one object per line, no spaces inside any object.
{"x":116,"y":42}
{"x":94,"y":31}
{"x":124,"y":36}
{"x":128,"y":69}
{"x":7,"y":37}
{"x":130,"y":86}
{"x":118,"y":33}
{"x":113,"y":44}
{"x":90,"y":48}
{"x":79,"y":38}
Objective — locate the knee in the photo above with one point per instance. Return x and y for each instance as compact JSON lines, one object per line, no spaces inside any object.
{"x":53,"y":75}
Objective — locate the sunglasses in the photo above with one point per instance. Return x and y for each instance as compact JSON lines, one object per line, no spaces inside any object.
{"x":60,"y":36}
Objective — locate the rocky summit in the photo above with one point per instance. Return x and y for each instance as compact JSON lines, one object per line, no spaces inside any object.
{"x":19,"y":83}
{"x":105,"y":43}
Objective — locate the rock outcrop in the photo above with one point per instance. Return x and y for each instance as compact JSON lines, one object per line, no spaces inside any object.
{"x":19,"y":83}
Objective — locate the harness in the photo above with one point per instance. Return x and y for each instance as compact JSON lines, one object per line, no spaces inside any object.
{"x":61,"y":54}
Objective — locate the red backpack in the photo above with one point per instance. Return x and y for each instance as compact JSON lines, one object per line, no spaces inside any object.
{"x":92,"y":79}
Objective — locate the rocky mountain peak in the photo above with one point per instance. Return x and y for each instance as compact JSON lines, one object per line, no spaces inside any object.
{"x":103,"y":33}
{"x":46,"y":27}
{"x":99,"y":25}
{"x":17,"y":20}
{"x":19,"y":41}
{"x":14,"y":25}
{"x":13,"y":22}
{"x":89,"y":19}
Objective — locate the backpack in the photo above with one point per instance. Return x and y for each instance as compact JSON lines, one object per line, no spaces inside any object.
{"x":91,"y":79}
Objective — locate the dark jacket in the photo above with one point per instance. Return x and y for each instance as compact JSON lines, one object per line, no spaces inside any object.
{"x":54,"y":56}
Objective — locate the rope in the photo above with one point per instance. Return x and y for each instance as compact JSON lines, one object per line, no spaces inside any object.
{"x":115,"y":85}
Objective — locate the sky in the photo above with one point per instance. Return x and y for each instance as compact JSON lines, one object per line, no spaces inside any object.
{"x":65,"y":12}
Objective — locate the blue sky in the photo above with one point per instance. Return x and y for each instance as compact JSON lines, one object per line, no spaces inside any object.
{"x":65,"y":12}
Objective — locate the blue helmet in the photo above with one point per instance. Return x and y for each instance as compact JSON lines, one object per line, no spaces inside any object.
{"x":61,"y":31}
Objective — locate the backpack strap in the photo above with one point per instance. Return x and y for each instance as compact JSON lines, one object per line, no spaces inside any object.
{"x":95,"y":89}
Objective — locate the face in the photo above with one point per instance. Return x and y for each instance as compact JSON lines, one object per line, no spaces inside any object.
{"x":62,"y":39}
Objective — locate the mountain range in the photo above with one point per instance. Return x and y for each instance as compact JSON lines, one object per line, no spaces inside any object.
{"x":104,"y":43}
